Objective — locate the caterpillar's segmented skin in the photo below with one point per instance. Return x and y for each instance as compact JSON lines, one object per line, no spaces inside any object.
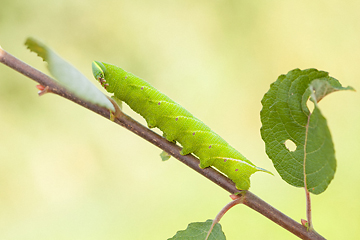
{"x":176,"y":123}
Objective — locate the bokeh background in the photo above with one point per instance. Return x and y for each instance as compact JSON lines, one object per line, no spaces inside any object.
{"x":66,"y":173}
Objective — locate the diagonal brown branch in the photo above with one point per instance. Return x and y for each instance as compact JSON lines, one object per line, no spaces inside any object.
{"x":250,"y":199}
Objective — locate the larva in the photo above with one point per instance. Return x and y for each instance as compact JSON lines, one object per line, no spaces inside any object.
{"x":176,"y":123}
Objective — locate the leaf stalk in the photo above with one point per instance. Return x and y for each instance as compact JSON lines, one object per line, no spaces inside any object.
{"x":309,"y":226}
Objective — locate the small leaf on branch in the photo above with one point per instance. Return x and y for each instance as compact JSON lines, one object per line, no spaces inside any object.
{"x":68,"y":76}
{"x":199,"y":230}
{"x":286,"y":119}
{"x":165,"y":156}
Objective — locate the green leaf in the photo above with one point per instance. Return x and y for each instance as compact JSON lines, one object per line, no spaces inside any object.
{"x":165,"y":156}
{"x":68,"y":76}
{"x":286,"y":118}
{"x":199,"y":230}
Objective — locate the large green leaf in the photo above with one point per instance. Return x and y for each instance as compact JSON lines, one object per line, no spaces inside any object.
{"x":68,"y":76}
{"x":199,"y":230}
{"x":286,"y":117}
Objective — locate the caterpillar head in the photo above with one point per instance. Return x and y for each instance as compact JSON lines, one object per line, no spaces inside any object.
{"x":99,"y":70}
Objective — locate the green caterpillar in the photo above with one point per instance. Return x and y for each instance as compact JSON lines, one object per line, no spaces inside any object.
{"x":177,"y":124}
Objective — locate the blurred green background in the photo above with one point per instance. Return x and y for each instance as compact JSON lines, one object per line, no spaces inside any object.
{"x":66,"y":173}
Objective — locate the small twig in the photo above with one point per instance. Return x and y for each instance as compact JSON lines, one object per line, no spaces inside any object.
{"x":236,"y":200}
{"x":308,"y":223}
{"x":249,"y":199}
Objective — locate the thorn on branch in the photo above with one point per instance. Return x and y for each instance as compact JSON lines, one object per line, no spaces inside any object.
{"x":43,"y":90}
